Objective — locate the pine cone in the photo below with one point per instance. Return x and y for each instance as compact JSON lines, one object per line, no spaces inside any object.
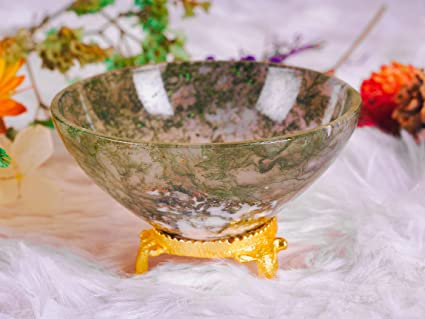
{"x":411,"y":111}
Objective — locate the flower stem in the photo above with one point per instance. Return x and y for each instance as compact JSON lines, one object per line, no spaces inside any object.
{"x":115,"y":23}
{"x":295,"y":50}
{"x":36,"y":91}
{"x":360,"y":38}
{"x":23,"y":90}
{"x":49,"y":17}
{"x":101,"y":34}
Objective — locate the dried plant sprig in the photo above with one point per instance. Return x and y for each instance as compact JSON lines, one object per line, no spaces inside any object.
{"x":62,"y":48}
{"x":81,"y":7}
{"x":283,"y":50}
{"x":190,"y":6}
{"x":360,"y":38}
{"x":65,"y":47}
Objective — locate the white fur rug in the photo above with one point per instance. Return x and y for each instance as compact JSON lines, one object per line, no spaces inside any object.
{"x":356,"y":250}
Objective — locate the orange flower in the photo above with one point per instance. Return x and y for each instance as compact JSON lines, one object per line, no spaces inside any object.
{"x":380,"y":94}
{"x":9,"y":81}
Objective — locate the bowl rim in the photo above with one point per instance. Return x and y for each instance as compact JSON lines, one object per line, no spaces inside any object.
{"x":351,"y":111}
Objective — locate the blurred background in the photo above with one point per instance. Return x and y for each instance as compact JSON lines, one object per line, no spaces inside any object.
{"x":233,"y":28}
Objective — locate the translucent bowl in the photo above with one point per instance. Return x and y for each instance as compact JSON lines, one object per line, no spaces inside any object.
{"x":206,"y":150}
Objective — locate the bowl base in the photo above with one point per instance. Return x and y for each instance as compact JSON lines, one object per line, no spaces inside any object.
{"x":259,"y":245}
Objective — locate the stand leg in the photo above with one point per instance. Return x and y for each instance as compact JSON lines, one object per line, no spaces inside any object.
{"x":267,"y":265}
{"x":260,"y":246}
{"x":142,"y":261}
{"x":266,"y":257}
{"x":149,"y":246}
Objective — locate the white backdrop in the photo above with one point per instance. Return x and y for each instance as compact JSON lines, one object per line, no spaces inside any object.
{"x":235,"y":25}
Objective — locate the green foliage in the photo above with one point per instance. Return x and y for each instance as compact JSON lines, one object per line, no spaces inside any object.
{"x":64,"y":47}
{"x":51,"y":32}
{"x":159,"y":44}
{"x":47,"y":123}
{"x":153,"y":15}
{"x":81,"y":7}
{"x":117,"y":61}
{"x":179,"y":52}
{"x":4,"y":159}
{"x":153,"y":19}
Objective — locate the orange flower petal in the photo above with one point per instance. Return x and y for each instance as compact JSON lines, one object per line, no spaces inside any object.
{"x":9,"y":107}
{"x":10,"y":86}
{"x":2,"y":67}
{"x":10,"y":72}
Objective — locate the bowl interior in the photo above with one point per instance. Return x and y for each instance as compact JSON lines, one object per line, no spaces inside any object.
{"x":203,"y":102}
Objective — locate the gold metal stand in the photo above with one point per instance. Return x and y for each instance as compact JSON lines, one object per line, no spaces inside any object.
{"x":259,"y":245}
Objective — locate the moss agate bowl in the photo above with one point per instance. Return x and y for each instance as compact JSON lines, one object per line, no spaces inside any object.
{"x":206,"y":150}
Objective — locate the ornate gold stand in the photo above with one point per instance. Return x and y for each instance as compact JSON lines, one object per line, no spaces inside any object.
{"x":259,"y":245}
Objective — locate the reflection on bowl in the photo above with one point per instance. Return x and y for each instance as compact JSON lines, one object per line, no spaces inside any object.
{"x":206,"y":150}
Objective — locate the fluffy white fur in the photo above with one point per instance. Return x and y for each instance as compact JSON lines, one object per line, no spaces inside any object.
{"x":356,"y":250}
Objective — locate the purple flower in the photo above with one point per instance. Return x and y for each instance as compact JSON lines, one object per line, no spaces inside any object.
{"x":275,"y":59}
{"x":296,"y":49}
{"x":248,"y":58}
{"x":281,"y":51}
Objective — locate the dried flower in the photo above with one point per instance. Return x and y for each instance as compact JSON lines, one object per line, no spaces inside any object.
{"x":61,"y":48}
{"x":190,"y":6}
{"x":393,"y":98}
{"x":411,"y":111}
{"x":17,"y":47}
{"x":22,"y":179}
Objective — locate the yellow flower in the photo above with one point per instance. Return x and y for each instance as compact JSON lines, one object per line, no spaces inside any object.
{"x":8,"y":84}
{"x":22,"y":180}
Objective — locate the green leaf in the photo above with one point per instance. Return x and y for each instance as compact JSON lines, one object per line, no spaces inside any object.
{"x":47,"y":123}
{"x":4,"y":159}
{"x":116,"y":61}
{"x":142,"y":3}
{"x":51,"y":31}
{"x":179,"y":53}
{"x":81,"y":7}
{"x":73,"y":80}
